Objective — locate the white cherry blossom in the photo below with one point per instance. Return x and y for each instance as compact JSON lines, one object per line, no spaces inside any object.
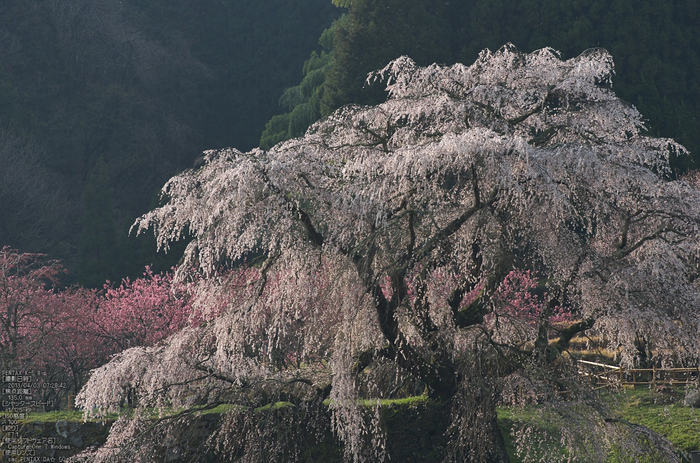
{"x":385,"y":231}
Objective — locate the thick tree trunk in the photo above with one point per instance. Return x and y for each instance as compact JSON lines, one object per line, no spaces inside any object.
{"x":474,"y":433}
{"x":439,"y":376}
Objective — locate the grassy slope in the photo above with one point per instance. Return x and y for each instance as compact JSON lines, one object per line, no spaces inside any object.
{"x":664,"y":414}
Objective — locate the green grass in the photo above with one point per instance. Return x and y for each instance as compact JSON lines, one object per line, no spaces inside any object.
{"x":223,"y":408}
{"x":274,"y":406}
{"x":77,"y":415}
{"x":406,"y":402}
{"x":664,"y":415}
{"x":543,"y":431}
{"x":70,"y":416}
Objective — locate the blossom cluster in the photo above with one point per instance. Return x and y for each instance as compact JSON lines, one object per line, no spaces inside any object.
{"x":67,"y":332}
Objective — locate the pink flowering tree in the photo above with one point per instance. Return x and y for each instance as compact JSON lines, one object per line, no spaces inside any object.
{"x":141,"y":312}
{"x":391,"y":230}
{"x":26,"y":305}
{"x":33,"y":315}
{"x":517,"y":297}
{"x":63,"y":334}
{"x":72,"y":348}
{"x":95,"y":325}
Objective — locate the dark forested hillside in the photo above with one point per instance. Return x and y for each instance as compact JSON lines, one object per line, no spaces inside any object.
{"x":251,"y":50}
{"x":107,"y":99}
{"x":101,"y":101}
{"x":655,"y":44}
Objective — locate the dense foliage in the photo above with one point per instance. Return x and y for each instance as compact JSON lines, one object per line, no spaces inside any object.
{"x":389,"y":235}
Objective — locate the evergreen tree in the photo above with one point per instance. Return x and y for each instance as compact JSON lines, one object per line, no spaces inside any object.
{"x":302,"y":101}
{"x":374,"y":32}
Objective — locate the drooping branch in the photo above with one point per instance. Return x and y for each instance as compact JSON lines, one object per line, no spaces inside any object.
{"x":316,"y":238}
{"x":383,"y":140}
{"x":439,"y":378}
{"x":454,"y":300}
{"x":542,"y":341}
{"x":471,"y":315}
{"x":542,"y":138}
{"x":625,"y":228}
{"x":421,"y":307}
{"x":475,"y":184}
{"x":388,"y":324}
{"x":474,"y":313}
{"x":412,"y":234}
{"x":535,"y":110}
{"x":519,"y":119}
{"x":365,"y":358}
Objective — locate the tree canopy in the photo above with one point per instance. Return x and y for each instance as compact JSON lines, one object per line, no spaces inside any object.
{"x":389,"y":235}
{"x":655,"y":44}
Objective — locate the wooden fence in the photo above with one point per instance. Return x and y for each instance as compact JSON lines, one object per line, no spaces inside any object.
{"x":602,"y":375}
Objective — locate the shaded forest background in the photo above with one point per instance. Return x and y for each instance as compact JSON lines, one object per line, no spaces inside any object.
{"x":101,"y":101}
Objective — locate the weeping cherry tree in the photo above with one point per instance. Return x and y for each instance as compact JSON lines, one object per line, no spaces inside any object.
{"x":387,"y":233}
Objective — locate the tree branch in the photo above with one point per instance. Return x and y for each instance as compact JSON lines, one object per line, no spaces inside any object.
{"x":536,"y":109}
{"x":453,"y":227}
{"x":657,"y":234}
{"x":315,"y":237}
